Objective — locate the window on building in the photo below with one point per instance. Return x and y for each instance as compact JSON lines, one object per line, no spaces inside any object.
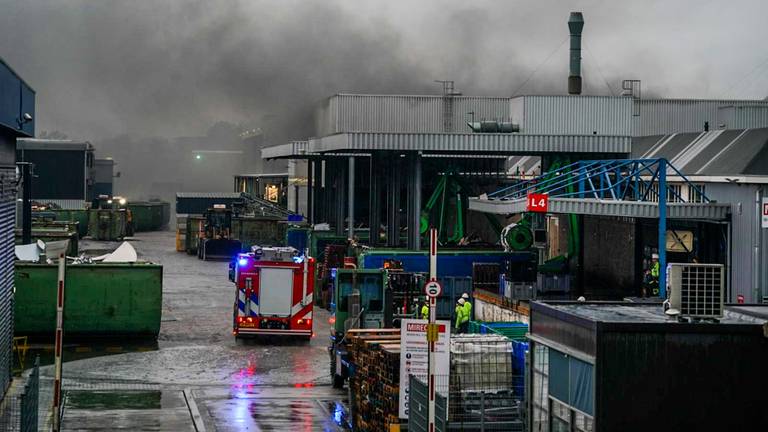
{"x":563,"y":392}
{"x":696,"y":193}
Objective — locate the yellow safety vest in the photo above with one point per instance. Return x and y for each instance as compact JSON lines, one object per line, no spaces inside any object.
{"x":425,"y":312}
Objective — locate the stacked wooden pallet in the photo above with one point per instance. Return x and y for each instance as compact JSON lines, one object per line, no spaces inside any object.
{"x":375,"y":380}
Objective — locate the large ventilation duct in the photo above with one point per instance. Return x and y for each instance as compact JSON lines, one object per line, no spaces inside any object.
{"x":575,"y":25}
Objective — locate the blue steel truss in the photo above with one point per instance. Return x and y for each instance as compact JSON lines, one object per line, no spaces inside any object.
{"x":617,"y":180}
{"x":642,"y":180}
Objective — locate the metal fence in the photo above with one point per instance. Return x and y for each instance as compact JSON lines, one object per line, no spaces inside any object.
{"x":487,"y":402}
{"x":19,"y":409}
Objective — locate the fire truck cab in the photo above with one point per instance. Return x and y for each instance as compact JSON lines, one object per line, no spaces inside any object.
{"x":273,"y":292}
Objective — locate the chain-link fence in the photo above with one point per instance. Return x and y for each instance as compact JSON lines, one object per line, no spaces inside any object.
{"x":19,"y":408}
{"x":485,"y":402}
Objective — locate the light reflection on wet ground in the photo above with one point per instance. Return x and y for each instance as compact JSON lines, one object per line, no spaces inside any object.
{"x":268,"y":384}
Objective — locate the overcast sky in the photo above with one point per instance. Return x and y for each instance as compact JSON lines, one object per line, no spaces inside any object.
{"x":173,"y":68}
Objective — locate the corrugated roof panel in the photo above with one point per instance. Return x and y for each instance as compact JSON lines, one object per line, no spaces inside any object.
{"x":672,"y":147}
{"x":713,"y":211}
{"x":736,"y":158}
{"x":710,"y":151}
{"x":226,"y":195}
{"x":473,"y":143}
{"x":48,"y":144}
{"x":296,"y":149}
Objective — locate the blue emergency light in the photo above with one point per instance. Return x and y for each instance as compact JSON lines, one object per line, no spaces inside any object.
{"x":242,"y":262}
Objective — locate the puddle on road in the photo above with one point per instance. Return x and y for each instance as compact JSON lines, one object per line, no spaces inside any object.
{"x":339,"y":414}
{"x":108,"y":400}
{"x":278,"y":415}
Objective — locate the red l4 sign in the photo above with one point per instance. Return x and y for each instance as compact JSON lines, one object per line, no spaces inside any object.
{"x":538,"y":202}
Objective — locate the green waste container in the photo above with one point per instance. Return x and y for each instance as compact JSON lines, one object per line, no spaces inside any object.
{"x":100,"y":299}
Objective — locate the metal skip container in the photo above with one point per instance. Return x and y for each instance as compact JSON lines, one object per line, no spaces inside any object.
{"x":101,"y":299}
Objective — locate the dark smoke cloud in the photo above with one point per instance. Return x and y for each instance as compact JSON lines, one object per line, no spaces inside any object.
{"x":132,"y":76}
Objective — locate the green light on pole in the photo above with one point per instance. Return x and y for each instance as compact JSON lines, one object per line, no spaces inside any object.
{"x":198,"y":157}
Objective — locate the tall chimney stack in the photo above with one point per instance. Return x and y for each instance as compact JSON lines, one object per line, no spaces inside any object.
{"x":575,"y":25}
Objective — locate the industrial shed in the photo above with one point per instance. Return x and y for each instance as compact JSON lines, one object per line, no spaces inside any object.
{"x":630,"y":367}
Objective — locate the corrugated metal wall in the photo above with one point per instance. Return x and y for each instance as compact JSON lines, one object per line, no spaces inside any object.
{"x":749,"y":242}
{"x":7,"y":221}
{"x":748,"y":117}
{"x":404,"y":113}
{"x":668,"y":116}
{"x":573,"y":115}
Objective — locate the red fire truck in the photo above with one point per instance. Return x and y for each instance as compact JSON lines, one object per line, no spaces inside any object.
{"x":273,"y":292}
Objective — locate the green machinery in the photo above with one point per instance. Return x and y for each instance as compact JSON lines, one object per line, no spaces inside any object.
{"x":216,"y":242}
{"x":446,"y":209}
{"x":360,"y":300}
{"x":108,"y":224}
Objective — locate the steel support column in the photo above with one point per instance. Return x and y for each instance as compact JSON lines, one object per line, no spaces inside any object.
{"x":374,"y":196}
{"x":351,"y":198}
{"x":310,"y":191}
{"x":414,"y":201}
{"x":338,"y":197}
{"x":662,"y":228}
{"x":393,"y":201}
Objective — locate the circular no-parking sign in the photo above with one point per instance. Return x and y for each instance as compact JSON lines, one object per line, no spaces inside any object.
{"x":433,"y":288}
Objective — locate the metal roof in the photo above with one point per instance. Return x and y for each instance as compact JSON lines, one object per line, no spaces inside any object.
{"x":651,"y":313}
{"x":230,"y":195}
{"x":476,"y":143}
{"x":285,"y":174}
{"x":49,"y":144}
{"x":720,"y":152}
{"x":293,"y":149}
{"x":637,"y":209}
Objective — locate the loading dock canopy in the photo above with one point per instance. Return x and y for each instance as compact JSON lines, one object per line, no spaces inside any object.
{"x":587,"y":206}
{"x":468,"y":143}
{"x":624,"y":188}
{"x":492,"y":143}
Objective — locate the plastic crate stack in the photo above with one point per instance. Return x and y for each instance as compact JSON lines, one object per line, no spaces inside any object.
{"x":375,"y":380}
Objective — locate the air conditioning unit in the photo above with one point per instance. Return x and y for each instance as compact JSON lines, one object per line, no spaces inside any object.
{"x":697,"y":290}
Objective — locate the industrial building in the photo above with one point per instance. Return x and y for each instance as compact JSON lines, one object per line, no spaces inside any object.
{"x":69,"y":188}
{"x":631,"y":367}
{"x":17,"y":120}
{"x":377,"y":135}
{"x":104,"y":175}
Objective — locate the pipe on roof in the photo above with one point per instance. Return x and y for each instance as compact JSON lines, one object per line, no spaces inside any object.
{"x":575,"y":25}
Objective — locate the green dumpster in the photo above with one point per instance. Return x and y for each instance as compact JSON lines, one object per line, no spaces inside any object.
{"x":100,"y":299}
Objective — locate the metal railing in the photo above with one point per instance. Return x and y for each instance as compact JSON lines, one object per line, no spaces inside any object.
{"x":19,"y":409}
{"x":488,"y":402}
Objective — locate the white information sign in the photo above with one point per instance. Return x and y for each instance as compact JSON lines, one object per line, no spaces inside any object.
{"x":764,"y":211}
{"x":414,"y":360}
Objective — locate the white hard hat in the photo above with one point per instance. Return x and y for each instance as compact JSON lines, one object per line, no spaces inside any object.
{"x":581,"y":299}
{"x":461,"y":301}
{"x":465,"y":296}
{"x":655,"y":256}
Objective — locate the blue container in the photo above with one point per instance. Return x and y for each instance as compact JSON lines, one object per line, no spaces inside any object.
{"x":297,"y":238}
{"x":449,"y":263}
{"x":453,"y":288}
{"x":518,"y":366}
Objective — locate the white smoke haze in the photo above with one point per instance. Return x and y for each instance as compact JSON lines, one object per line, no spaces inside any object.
{"x":132,"y":76}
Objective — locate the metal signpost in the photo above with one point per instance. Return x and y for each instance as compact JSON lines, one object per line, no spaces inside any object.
{"x":432,"y":287}
{"x":59,"y":343}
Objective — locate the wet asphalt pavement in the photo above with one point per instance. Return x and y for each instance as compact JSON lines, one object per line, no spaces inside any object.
{"x":197,"y":376}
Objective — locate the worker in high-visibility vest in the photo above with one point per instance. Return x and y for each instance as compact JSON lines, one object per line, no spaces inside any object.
{"x":462,"y":320}
{"x":652,"y":276}
{"x":425,"y":310}
{"x":467,"y":306}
